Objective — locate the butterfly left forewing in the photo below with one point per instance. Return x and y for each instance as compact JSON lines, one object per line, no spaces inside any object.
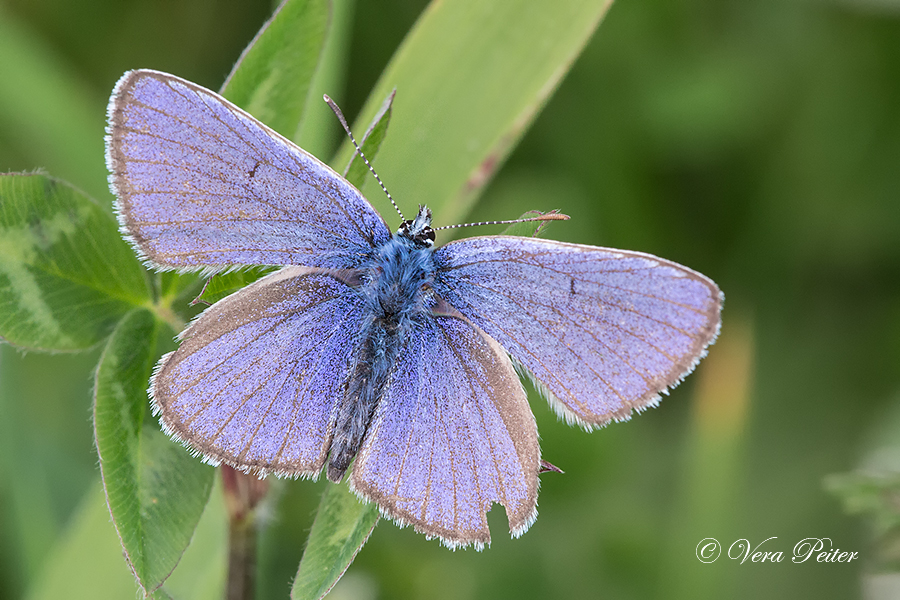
{"x":603,"y":331}
{"x":452,"y":434}
{"x":201,"y":184}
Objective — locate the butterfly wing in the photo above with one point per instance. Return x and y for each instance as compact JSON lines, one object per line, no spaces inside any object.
{"x":258,"y":375}
{"x":603,"y":331}
{"x":452,"y":434}
{"x":201,"y":184}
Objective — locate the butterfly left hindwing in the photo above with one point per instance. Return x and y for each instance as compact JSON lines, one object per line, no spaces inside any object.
{"x":257,"y":378}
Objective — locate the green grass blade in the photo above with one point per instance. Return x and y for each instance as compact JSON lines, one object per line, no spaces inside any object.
{"x":470,"y":78}
{"x":318,"y":133}
{"x":273,"y":80}
{"x":156,"y":491}
{"x":342,"y":526}
{"x":273,"y":76}
{"x":357,"y":171}
{"x":66,"y":275}
{"x":226,"y":284}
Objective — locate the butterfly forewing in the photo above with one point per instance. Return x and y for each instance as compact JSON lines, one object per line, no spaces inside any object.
{"x":258,"y":375}
{"x":202,"y":184}
{"x":453,"y":434}
{"x":603,"y":331}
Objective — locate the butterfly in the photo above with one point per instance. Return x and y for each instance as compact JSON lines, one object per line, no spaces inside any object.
{"x":376,"y":355}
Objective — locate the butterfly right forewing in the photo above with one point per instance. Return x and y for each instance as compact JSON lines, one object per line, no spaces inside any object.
{"x":603,"y":331}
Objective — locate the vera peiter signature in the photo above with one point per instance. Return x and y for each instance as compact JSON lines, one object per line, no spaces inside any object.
{"x":810,"y":549}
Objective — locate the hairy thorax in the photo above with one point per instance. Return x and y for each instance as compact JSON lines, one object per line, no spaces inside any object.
{"x":396,"y":286}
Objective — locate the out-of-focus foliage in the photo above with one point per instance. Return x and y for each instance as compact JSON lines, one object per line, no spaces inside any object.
{"x":872,"y":490}
{"x":757,"y":142}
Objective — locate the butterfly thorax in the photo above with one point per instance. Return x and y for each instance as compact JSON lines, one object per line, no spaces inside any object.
{"x":396,"y":286}
{"x":402,"y":271}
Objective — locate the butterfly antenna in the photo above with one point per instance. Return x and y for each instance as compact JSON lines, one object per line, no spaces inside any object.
{"x":340,"y":116}
{"x":552,"y":216}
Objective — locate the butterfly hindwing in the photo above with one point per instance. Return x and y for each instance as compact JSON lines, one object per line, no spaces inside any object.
{"x":257,"y":378}
{"x":201,"y":184}
{"x":603,"y":331}
{"x":452,"y":434}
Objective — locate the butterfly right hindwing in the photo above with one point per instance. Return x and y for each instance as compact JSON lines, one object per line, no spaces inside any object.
{"x":453,"y":433}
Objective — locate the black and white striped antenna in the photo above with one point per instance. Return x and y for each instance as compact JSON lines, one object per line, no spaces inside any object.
{"x":552,"y":216}
{"x":548,"y":217}
{"x":340,"y":116}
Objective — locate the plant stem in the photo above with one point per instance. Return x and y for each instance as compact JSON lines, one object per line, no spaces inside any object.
{"x":241,"y":560}
{"x":242,"y":495}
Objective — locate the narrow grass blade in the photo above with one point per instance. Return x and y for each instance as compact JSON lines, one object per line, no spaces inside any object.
{"x":342,"y":526}
{"x":274,"y":75}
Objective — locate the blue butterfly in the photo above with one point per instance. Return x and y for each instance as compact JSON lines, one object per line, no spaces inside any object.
{"x":374,"y":354}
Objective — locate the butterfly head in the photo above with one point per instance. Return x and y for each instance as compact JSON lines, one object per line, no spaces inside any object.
{"x":419,"y":230}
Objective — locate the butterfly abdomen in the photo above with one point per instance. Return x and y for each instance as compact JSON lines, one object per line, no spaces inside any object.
{"x":396,"y":290}
{"x":364,"y":386}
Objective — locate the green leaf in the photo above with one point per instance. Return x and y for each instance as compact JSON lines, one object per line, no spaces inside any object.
{"x":66,"y":275}
{"x":156,"y":491}
{"x":357,"y":171}
{"x":318,"y":132}
{"x":273,"y":76}
{"x":226,"y":284}
{"x":470,"y":78}
{"x":343,"y":524}
{"x":530,"y":228}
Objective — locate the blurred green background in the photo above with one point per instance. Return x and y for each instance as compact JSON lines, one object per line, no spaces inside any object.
{"x":756,"y":142}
